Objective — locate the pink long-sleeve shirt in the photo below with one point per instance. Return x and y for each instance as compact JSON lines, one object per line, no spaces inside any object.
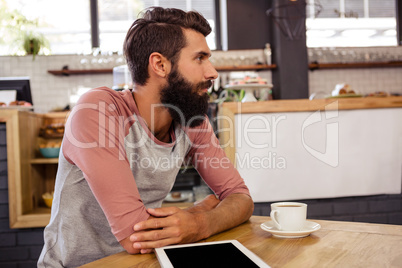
{"x":112,"y":168}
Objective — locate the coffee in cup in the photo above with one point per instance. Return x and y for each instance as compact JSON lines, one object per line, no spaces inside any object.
{"x":288,"y":216}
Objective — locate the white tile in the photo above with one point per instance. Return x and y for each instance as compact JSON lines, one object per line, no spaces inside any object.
{"x":49,"y":91}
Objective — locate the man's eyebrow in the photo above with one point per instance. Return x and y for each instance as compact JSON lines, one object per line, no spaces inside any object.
{"x":204,"y":53}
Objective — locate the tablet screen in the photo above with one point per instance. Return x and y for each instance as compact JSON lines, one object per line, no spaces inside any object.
{"x":220,"y":255}
{"x":209,"y":255}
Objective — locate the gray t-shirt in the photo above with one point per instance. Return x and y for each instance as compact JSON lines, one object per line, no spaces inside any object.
{"x":111,"y":168}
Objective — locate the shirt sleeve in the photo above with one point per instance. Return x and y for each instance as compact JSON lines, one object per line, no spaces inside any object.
{"x":94,"y":142}
{"x":212,"y":164}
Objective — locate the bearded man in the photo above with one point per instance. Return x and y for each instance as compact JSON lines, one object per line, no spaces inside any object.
{"x":110,"y":182}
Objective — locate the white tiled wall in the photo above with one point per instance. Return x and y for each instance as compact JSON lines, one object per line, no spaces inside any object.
{"x":50,"y":92}
{"x":361,"y":80}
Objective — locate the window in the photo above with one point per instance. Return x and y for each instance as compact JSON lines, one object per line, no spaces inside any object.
{"x":115,"y":17}
{"x":356,"y":23}
{"x":66,"y":24}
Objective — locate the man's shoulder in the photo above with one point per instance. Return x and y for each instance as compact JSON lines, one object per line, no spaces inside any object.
{"x":111,"y":100}
{"x":100,"y":93}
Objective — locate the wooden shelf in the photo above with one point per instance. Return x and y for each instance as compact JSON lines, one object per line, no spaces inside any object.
{"x":317,"y":66}
{"x":44,"y":161}
{"x":76,"y":72}
{"x":259,"y":67}
{"x":29,"y":176}
{"x":38,"y":217}
{"x":107,"y":71}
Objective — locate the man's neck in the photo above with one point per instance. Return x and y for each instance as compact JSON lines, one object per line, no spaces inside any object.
{"x":153,"y":112}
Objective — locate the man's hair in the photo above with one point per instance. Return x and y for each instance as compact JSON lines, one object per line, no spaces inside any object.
{"x":159,"y":30}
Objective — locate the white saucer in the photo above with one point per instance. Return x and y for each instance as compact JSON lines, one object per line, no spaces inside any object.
{"x":308,"y":228}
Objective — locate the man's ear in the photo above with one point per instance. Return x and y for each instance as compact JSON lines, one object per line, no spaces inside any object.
{"x":159,"y":64}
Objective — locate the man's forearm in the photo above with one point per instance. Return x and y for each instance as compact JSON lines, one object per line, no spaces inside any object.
{"x":230,"y":212}
{"x":207,"y":204}
{"x":171,"y":225}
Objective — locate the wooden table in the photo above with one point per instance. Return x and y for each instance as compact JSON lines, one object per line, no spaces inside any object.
{"x":336,"y":244}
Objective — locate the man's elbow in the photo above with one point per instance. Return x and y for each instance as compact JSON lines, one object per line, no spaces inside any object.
{"x":128,"y":246}
{"x":132,"y":251}
{"x":250,"y":207}
{"x":245,"y":204}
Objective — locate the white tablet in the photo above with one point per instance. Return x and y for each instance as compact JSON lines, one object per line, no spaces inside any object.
{"x":227,"y":253}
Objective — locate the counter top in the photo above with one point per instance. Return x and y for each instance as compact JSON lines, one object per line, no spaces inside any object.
{"x":304,"y":105}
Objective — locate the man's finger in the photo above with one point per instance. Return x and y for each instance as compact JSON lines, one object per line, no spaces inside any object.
{"x":150,"y":224}
{"x":154,"y":223}
{"x":146,"y":251}
{"x":155,"y":244}
{"x":163,"y":212}
{"x":153,"y":235}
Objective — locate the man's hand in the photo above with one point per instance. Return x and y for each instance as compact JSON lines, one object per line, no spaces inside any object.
{"x":167,"y":226}
{"x":171,"y":225}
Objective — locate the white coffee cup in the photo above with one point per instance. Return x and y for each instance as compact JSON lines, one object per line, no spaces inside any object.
{"x":288,"y":216}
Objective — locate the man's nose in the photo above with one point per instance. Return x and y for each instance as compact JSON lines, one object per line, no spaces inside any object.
{"x":210,"y":72}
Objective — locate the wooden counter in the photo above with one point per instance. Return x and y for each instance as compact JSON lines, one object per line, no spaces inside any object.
{"x":310,"y":149}
{"x":228,"y":110}
{"x":336,"y":244}
{"x":29,"y":174}
{"x":304,"y":105}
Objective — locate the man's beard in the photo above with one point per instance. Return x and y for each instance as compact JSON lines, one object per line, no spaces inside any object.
{"x":186,"y":106}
